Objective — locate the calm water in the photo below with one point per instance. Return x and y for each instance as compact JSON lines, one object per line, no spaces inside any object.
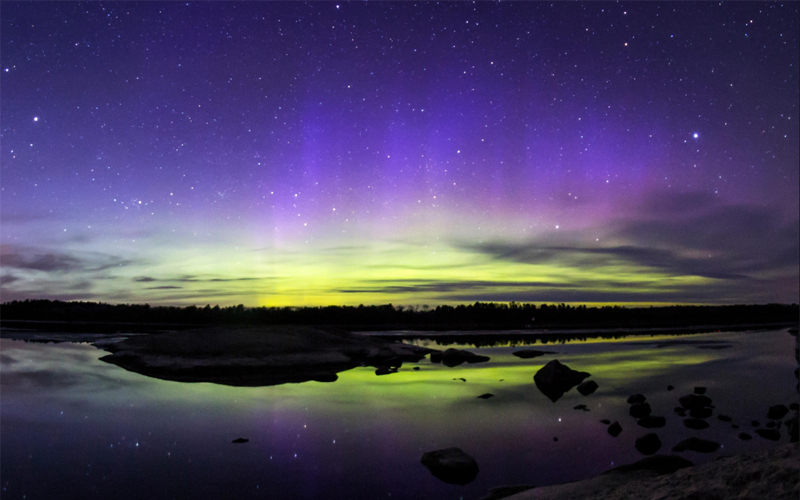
{"x":75,"y":427}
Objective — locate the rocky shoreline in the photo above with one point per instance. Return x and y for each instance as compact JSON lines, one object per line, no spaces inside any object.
{"x":772,"y":474}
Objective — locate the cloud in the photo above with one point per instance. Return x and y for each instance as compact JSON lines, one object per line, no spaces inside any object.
{"x":683,"y":235}
{"x":32,"y":259}
{"x":144,"y":279}
{"x":428,"y":286}
{"x":164,"y":288}
{"x":6,"y":279}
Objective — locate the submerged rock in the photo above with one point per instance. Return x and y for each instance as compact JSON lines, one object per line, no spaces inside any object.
{"x":651,"y":422}
{"x":700,"y":412}
{"x":451,"y":465}
{"x":588,"y":387}
{"x":648,"y":444}
{"x":555,"y":378}
{"x":696,"y":444}
{"x":454,"y":357}
{"x":636,"y":399}
{"x":614,"y":429}
{"x":692,"y":401}
{"x":660,"y":464}
{"x":640,"y":410}
{"x":530,"y":353}
{"x":770,"y":434}
{"x":777,"y":412}
{"x":695,"y":423}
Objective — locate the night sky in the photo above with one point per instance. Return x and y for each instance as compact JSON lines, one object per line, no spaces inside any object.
{"x":408,"y":153}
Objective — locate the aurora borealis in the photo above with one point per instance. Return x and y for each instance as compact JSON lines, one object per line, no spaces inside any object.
{"x":285,"y":153}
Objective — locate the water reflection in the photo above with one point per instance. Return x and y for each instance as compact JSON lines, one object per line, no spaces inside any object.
{"x":70,"y":422}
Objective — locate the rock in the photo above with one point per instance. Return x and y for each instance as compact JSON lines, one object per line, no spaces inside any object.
{"x":554,"y":379}
{"x":436,"y":357}
{"x":660,"y":464}
{"x":588,"y":387}
{"x":605,"y":421}
{"x":755,"y":423}
{"x":745,"y":436}
{"x":385,"y":370}
{"x":771,"y":424}
{"x":530,"y":353}
{"x":700,"y":412}
{"x":648,"y":444}
{"x":696,"y":444}
{"x":580,"y":407}
{"x":734,"y":426}
{"x":640,"y":410}
{"x":692,"y":401}
{"x":770,"y":434}
{"x":485,"y":396}
{"x":651,"y":422}
{"x":240,"y":440}
{"x":461,"y":379}
{"x":416,"y":368}
{"x":681,"y":412}
{"x":454,"y":357}
{"x":555,"y":439}
{"x":451,"y":465}
{"x":636,"y":399}
{"x":695,"y":423}
{"x":724,"y":418}
{"x":699,"y":390}
{"x":794,"y":406}
{"x":670,"y":387}
{"x":777,"y":412}
{"x":614,"y":429}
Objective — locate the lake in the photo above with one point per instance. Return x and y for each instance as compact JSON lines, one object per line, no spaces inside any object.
{"x":73,"y":426}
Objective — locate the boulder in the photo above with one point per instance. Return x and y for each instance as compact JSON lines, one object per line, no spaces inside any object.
{"x":696,"y":444}
{"x":651,"y":422}
{"x":755,"y":423}
{"x":614,"y":429}
{"x":636,"y":399}
{"x":777,"y":412}
{"x":530,"y":353}
{"x":554,"y":379}
{"x":648,"y":444}
{"x":695,"y":423}
{"x":700,"y":412}
{"x":680,"y":411}
{"x":745,"y":436}
{"x":699,"y":390}
{"x":770,"y":434}
{"x":451,"y":465}
{"x":640,"y":410}
{"x":588,"y":387}
{"x":692,"y":401}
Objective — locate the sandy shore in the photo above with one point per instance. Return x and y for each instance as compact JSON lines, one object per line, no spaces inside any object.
{"x":773,"y":474}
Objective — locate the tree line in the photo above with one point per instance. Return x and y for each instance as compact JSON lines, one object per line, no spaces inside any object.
{"x":480,"y":315}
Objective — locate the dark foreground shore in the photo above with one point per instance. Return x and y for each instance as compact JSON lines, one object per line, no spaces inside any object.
{"x":773,"y":474}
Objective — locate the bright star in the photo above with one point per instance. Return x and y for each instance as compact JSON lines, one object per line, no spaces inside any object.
{"x":36,"y":118}
{"x":696,"y":135}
